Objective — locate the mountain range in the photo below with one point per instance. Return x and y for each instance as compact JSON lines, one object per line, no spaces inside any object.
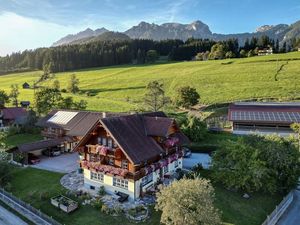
{"x":196,"y":29}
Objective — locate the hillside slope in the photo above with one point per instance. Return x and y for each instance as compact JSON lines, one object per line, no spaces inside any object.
{"x":122,"y":88}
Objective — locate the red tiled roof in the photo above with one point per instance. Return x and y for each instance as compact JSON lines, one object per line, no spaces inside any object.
{"x":13,"y":113}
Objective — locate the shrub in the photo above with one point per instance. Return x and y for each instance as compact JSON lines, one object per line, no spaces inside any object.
{"x":63,"y":90}
{"x":5,"y":173}
{"x":105,"y":209}
{"x":97,"y":203}
{"x":101,"y":191}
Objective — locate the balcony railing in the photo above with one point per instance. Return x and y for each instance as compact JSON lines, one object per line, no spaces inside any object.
{"x":102,"y":150}
{"x":98,"y":167}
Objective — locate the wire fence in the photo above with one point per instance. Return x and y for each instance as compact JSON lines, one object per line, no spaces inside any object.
{"x":273,"y":218}
{"x":13,"y":200}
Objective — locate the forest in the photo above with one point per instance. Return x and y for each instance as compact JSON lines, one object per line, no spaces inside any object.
{"x":117,"y":52}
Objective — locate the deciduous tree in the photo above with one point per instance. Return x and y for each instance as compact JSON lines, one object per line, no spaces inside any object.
{"x":188,"y":201}
{"x":14,"y":94}
{"x":257,"y":163}
{"x":155,"y":98}
{"x":186,"y":97}
{"x":73,"y":84}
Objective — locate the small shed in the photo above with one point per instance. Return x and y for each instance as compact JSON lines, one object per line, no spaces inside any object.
{"x":26,"y":85}
{"x":25,"y":104}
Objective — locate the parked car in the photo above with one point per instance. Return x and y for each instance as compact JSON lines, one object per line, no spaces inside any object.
{"x":52,"y":152}
{"x":187,"y":153}
{"x":33,"y":159}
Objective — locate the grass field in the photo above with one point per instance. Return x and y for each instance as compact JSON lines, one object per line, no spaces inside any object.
{"x":18,"y":139}
{"x":29,"y":183}
{"x":121,"y":88}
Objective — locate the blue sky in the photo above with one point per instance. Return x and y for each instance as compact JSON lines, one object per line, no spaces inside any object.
{"x":28,"y":24}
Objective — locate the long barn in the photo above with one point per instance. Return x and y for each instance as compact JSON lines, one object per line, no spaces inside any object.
{"x":263,"y":117}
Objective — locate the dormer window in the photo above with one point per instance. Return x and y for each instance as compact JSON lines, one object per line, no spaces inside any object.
{"x":99,"y":140}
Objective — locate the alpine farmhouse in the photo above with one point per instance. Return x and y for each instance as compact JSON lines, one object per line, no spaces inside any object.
{"x":131,"y":154}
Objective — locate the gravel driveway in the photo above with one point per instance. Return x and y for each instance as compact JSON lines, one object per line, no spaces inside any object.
{"x":8,"y":218}
{"x":64,"y":163}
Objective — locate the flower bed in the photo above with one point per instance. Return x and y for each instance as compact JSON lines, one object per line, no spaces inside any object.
{"x":65,"y":204}
{"x":138,"y":213}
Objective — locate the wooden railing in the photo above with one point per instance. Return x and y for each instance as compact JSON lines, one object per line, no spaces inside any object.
{"x":273,"y":218}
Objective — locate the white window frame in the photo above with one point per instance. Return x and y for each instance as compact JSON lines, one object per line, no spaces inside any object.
{"x":97,"y":176}
{"x":121,"y":183}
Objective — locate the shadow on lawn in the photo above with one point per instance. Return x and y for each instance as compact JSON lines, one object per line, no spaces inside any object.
{"x":95,"y":91}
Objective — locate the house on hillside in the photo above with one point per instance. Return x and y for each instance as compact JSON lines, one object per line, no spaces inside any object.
{"x":26,"y":85}
{"x":265,"y":51}
{"x":131,"y":154}
{"x":263,"y":117}
{"x":10,"y":116}
{"x":69,"y":125}
{"x":298,"y":49}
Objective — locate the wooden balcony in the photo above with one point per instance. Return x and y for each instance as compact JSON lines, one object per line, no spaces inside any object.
{"x":104,"y":150}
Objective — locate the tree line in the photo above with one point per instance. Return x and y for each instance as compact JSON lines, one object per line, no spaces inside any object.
{"x":117,"y":52}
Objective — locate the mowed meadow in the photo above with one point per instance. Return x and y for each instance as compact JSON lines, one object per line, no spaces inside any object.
{"x":121,"y":88}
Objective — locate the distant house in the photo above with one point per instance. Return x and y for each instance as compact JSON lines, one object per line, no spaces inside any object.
{"x":129,"y":155}
{"x":12,"y":116}
{"x":263,"y":118}
{"x":298,"y":49}
{"x":69,"y":125}
{"x":25,"y":104}
{"x":26,"y":85}
{"x":265,"y":51}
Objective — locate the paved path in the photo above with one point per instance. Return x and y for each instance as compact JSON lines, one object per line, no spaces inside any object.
{"x":23,"y":211}
{"x":8,"y":218}
{"x":292,"y":214}
{"x":196,"y":158}
{"x":64,"y":163}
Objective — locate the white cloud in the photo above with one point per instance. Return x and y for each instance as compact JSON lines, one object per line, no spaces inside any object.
{"x":19,"y":33}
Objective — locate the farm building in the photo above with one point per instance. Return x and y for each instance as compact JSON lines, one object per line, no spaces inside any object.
{"x":26,"y":85}
{"x":12,"y":116}
{"x":263,"y":118}
{"x":265,"y":51}
{"x":70,"y":125}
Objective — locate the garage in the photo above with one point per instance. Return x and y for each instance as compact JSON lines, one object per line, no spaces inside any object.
{"x":31,"y":153}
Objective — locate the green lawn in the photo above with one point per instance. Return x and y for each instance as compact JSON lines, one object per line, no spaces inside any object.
{"x":29,"y":183}
{"x":239,"y":211}
{"x":121,"y":88}
{"x":21,"y":139}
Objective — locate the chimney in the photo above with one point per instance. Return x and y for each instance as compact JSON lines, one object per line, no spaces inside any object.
{"x":103,"y":114}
